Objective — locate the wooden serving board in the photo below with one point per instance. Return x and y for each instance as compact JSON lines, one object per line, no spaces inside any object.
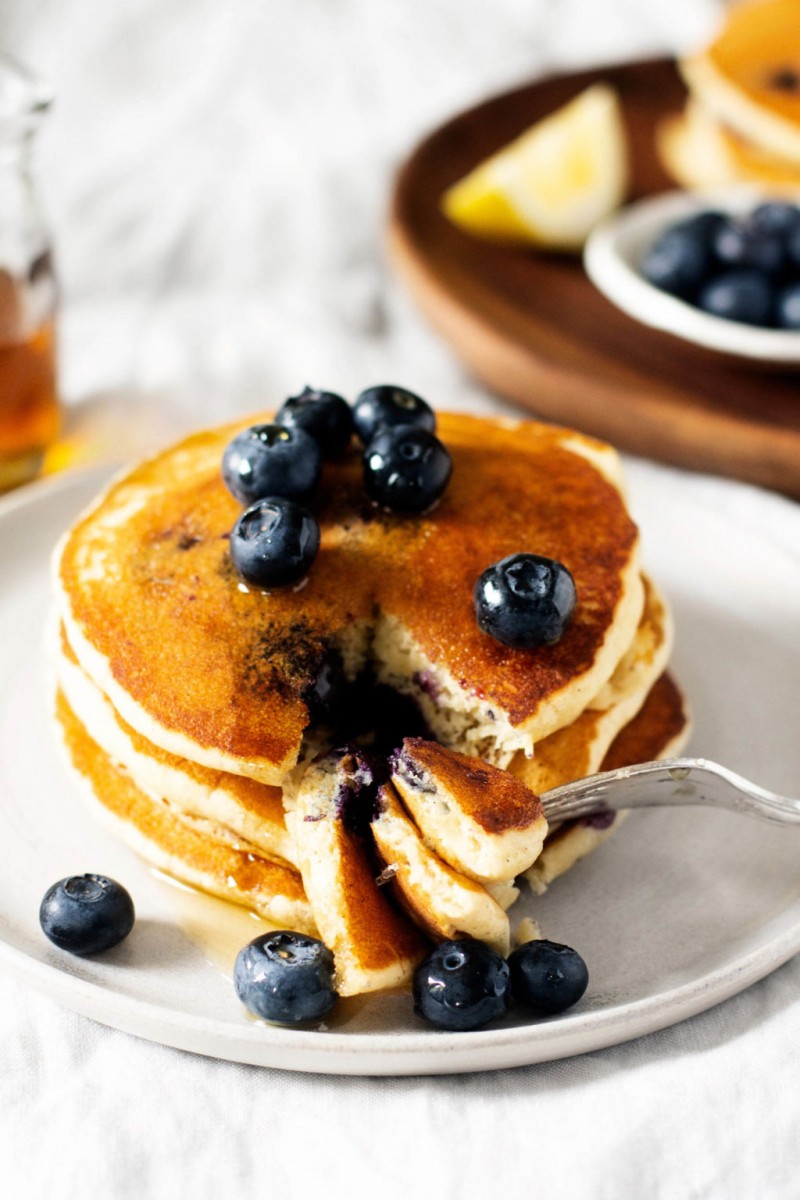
{"x":534,"y":329}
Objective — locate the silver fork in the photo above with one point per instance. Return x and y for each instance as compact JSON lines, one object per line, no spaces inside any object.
{"x":671,"y":781}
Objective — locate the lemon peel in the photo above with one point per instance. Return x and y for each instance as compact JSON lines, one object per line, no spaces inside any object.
{"x":552,"y":184}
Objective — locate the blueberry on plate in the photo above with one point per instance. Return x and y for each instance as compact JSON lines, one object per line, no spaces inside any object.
{"x":324,"y":416}
{"x":745,"y":296}
{"x":268,"y":460}
{"x":285,"y":977}
{"x":406,"y":468}
{"x":547,"y":977}
{"x":787,"y":307}
{"x":461,"y":985}
{"x":525,"y":600}
{"x":274,"y":542}
{"x":386,"y":405}
{"x":86,"y":914}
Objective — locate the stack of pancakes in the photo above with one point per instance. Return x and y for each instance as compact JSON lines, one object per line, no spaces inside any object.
{"x":199,"y":709}
{"x":741,"y":123}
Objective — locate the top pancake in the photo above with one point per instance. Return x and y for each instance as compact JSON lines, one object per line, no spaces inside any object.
{"x":217,"y":671}
{"x":750,"y":75}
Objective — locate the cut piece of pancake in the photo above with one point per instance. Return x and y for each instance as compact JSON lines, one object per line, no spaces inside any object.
{"x":232,"y":807}
{"x":579,"y":749}
{"x":446,"y":904}
{"x":749,"y":77}
{"x":699,"y":152}
{"x":328,"y":810}
{"x":273,"y":890}
{"x":221,"y":674}
{"x":481,"y":820}
{"x":659,"y":730}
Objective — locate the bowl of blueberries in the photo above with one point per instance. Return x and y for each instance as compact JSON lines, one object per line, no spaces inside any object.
{"x":720,"y":270}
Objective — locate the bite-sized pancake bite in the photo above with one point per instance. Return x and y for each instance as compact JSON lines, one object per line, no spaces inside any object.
{"x":443,"y":902}
{"x":478,"y":818}
{"x":328,"y":810}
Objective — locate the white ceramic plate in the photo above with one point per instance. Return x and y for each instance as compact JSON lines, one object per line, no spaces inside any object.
{"x":612,"y":258}
{"x":677,"y":912}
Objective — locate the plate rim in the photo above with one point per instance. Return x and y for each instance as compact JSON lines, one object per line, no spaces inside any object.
{"x":406,"y":1053}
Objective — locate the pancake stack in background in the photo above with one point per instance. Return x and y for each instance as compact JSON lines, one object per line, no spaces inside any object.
{"x":204,"y":715}
{"x":741,"y":123}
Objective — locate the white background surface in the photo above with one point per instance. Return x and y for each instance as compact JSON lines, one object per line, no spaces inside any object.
{"x":216,"y":175}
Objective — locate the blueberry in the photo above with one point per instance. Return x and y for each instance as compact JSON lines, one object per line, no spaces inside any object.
{"x":703,"y":224}
{"x":406,"y":468}
{"x":387,"y":405}
{"x":525,"y":600}
{"x":324,"y":416}
{"x":787,"y":307}
{"x":268,"y":460}
{"x":274,"y":542}
{"x":461,"y":985}
{"x":679,"y":260}
{"x":325,"y":694}
{"x":741,"y":244}
{"x":776,"y":217}
{"x":547,"y":976}
{"x":745,"y":296}
{"x":285,"y":977}
{"x":86,"y":914}
{"x":793,"y":249}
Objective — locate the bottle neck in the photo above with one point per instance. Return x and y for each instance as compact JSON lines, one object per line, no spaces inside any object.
{"x":23,"y":236}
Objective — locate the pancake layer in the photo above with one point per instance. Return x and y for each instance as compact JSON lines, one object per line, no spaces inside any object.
{"x":660,"y":729}
{"x":273,"y":890}
{"x":749,"y":77}
{"x":220,"y":674}
{"x":579,"y":748}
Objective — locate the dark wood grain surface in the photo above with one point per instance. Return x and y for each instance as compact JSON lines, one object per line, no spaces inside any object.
{"x":534,"y":329}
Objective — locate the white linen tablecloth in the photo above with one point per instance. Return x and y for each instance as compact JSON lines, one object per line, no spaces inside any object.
{"x":216,"y":175}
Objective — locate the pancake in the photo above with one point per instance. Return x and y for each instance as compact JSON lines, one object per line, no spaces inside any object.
{"x":699,"y":152}
{"x":481,"y":820}
{"x":579,"y":749}
{"x":233,"y":807}
{"x":374,"y":945}
{"x":444,"y":903}
{"x":749,"y":77}
{"x":273,"y":890}
{"x":222,"y":675}
{"x":659,"y":730}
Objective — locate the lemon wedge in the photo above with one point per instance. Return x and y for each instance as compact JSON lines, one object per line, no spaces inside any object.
{"x":551,"y":185}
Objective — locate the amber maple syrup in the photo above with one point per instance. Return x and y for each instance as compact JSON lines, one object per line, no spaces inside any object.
{"x":28,"y":403}
{"x":29,"y":411}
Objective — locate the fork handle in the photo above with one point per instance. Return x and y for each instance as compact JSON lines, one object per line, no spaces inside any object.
{"x":668,"y":782}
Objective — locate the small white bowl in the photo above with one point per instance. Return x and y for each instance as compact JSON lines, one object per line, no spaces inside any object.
{"x":612,"y":258}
